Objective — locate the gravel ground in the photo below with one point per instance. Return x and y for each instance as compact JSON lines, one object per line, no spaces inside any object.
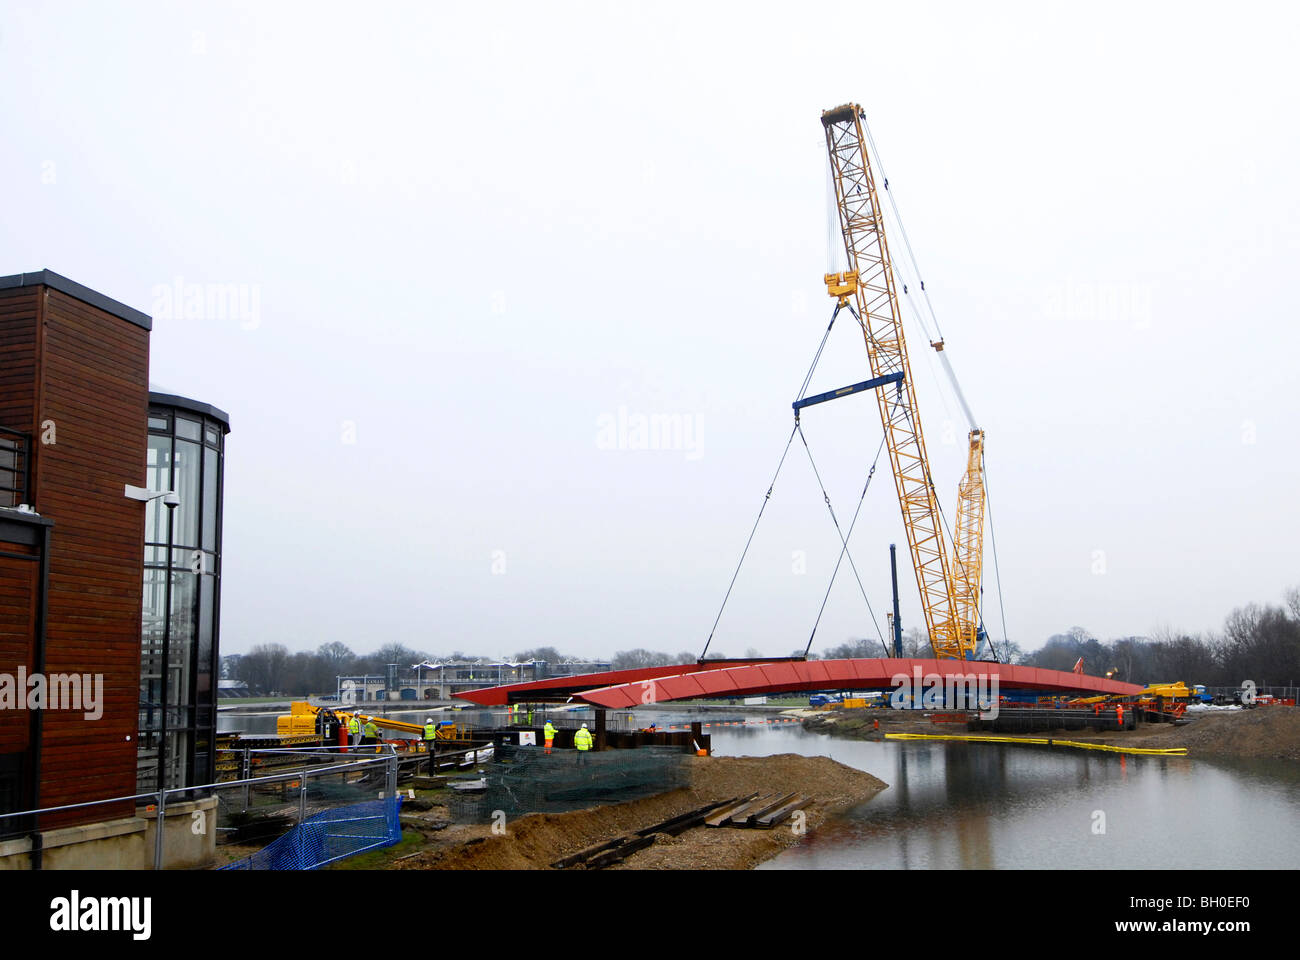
{"x":535,"y":841}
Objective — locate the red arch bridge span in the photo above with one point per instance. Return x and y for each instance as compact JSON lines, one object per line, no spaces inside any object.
{"x":627,"y":689}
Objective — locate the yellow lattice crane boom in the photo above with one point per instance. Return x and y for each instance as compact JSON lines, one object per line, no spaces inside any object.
{"x":949,"y":593}
{"x":968,"y":544}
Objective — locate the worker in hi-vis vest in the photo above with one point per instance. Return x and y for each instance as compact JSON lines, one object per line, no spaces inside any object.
{"x":582,"y":740}
{"x":430,"y":734}
{"x":548,"y":732}
{"x":370,"y":733}
{"x":354,"y":730}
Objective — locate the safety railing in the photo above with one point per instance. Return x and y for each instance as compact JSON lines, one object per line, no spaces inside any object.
{"x":1291,"y":693}
{"x":244,"y":813}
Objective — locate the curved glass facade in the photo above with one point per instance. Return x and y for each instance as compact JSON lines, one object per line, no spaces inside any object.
{"x":182,"y":595}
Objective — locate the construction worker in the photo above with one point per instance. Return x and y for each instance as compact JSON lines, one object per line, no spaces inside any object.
{"x":430,"y":734}
{"x":370,"y":734}
{"x":548,"y":732}
{"x":582,"y":740}
{"x":1119,"y":714}
{"x":354,"y":730}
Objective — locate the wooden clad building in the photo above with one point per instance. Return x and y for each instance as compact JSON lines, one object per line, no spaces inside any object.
{"x":74,"y":403}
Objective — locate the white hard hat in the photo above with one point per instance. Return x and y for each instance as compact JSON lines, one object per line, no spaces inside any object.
{"x":428,"y":719}
{"x":584,"y":726}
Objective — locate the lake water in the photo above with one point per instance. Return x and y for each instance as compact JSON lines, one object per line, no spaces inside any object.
{"x":966,"y":805}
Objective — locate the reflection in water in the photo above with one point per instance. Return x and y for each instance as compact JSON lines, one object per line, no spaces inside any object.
{"x":955,"y":805}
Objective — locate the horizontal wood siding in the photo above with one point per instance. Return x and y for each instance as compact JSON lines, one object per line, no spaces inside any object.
{"x":94,"y":386}
{"x":19,"y":325}
{"x":18,"y":328}
{"x":18,"y":587}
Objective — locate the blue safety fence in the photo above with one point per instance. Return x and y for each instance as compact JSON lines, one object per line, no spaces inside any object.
{"x":329,"y":836}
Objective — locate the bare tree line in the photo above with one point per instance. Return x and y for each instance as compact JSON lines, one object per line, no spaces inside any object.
{"x":1260,"y":643}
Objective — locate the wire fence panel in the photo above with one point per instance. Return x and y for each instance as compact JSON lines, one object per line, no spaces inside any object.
{"x":528,"y":780}
{"x":256,"y":813}
{"x":330,"y":835}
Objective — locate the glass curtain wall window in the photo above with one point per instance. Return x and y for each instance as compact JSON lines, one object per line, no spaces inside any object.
{"x":181,"y":599}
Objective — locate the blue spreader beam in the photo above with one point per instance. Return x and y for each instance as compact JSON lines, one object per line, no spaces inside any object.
{"x":845,"y":391}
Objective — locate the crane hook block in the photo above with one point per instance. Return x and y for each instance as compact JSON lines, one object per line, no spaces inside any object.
{"x":842,"y":285}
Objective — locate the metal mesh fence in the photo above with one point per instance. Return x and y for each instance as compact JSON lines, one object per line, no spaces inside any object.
{"x":328,"y":836}
{"x":305,"y":784}
{"x":528,"y":780}
{"x":1282,"y":693}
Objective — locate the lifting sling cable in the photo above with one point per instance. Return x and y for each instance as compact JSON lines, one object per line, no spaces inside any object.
{"x":803,"y":389}
{"x":767,"y":496}
{"x":835,"y":520}
{"x":843,"y":550}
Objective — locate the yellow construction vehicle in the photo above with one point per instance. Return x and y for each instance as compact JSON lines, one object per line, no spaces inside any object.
{"x":1160,"y":702}
{"x":306,"y":718}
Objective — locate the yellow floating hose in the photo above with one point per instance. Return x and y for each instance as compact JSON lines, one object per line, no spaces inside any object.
{"x":1044,"y":741}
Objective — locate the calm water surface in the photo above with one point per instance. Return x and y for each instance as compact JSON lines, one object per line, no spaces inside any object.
{"x":961,"y":805}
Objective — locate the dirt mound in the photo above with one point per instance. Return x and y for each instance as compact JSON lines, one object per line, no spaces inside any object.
{"x":1267,"y":733}
{"x":535,"y":841}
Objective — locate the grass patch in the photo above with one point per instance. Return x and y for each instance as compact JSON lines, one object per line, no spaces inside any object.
{"x":411,"y":841}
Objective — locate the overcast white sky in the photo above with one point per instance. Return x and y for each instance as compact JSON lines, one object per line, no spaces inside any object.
{"x":470,"y":241}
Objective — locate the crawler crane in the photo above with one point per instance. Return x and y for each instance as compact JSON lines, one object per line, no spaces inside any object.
{"x":950,"y":590}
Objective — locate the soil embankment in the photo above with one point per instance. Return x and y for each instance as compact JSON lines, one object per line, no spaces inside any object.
{"x":1266,"y":733}
{"x":535,"y":841}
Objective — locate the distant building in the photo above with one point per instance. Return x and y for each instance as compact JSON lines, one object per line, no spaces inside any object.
{"x":441,"y":681}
